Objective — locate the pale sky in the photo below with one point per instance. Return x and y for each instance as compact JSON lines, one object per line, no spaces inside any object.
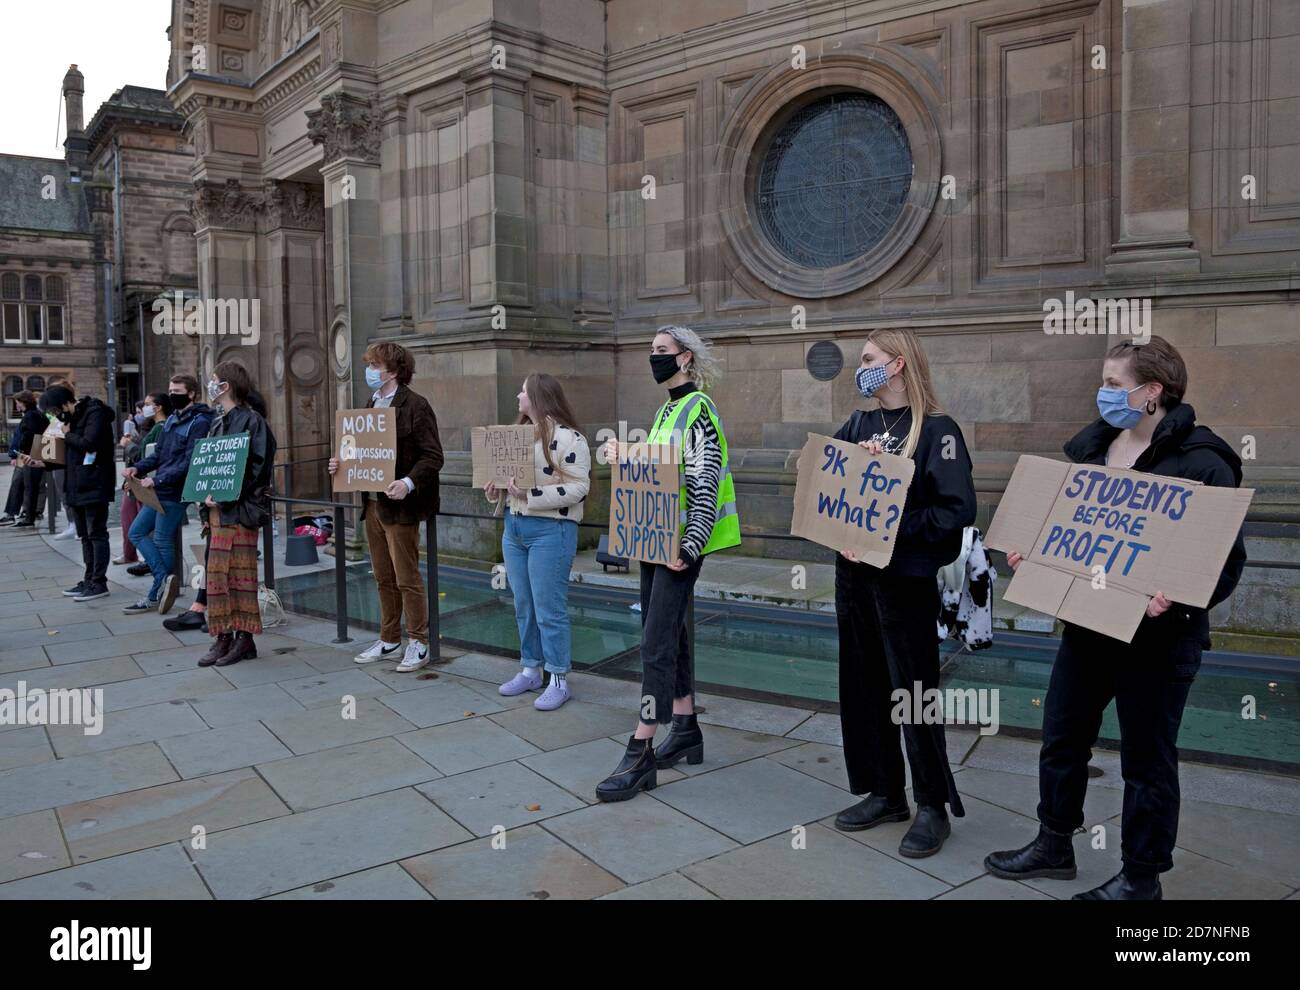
{"x":114,"y":43}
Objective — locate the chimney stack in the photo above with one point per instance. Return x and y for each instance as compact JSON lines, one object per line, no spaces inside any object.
{"x":75,"y":145}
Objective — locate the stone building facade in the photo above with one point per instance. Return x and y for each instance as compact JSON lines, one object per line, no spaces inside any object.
{"x":509,"y":185}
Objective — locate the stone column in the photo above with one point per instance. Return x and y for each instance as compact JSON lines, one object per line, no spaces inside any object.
{"x":225,"y":224}
{"x":1155,"y":164}
{"x":396,"y":319}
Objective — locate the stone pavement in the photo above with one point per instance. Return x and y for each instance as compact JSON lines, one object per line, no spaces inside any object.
{"x":248,"y":782}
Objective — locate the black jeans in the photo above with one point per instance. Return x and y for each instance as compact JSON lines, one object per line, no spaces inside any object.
{"x":1149,"y":680}
{"x":668,"y":669}
{"x":92,"y":529}
{"x":889,"y":640}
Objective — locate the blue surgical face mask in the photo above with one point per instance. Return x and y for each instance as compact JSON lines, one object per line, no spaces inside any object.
{"x":374,"y":377}
{"x":1113,"y":405}
{"x":871,"y":380}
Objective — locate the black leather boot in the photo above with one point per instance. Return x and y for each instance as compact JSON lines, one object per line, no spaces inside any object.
{"x":243,"y":648}
{"x":684,"y":739}
{"x":1126,"y":885}
{"x":927,"y":834}
{"x":635,"y":771}
{"x":873,"y":810}
{"x":220,"y":647}
{"x":1050,"y":855}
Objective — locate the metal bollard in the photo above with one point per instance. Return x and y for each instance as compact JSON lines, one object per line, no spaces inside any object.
{"x":341,"y":576}
{"x":268,"y":551}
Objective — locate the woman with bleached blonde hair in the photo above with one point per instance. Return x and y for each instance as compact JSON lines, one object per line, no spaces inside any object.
{"x":888,"y":616}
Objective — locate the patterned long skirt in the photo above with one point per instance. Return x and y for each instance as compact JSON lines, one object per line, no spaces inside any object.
{"x":232,"y":581}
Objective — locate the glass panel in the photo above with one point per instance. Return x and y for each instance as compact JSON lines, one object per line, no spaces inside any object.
{"x":9,"y":286}
{"x":35,"y":383}
{"x":32,"y":287}
{"x":34,"y":331}
{"x":54,"y":316}
{"x":54,"y":288}
{"x":13,"y":324}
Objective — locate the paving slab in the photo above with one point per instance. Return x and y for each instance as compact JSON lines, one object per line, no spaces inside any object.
{"x":60,"y":650}
{"x":163,"y":873}
{"x":185,"y":685}
{"x":56,"y":632}
{"x":81,"y":778}
{"x":725,"y":747}
{"x":246,"y":705}
{"x":318,"y":690}
{"x":21,"y":747}
{"x":507,"y":795}
{"x":441,"y":702}
{"x":466,"y":745}
{"x":127,"y":728}
{"x":574,"y":723}
{"x":217,"y":750}
{"x":639,"y":839}
{"x":381,"y":883}
{"x":22,"y":658}
{"x":990,"y":888}
{"x":333,"y":776}
{"x":820,"y":728}
{"x":578,"y":769}
{"x":1019,"y":793}
{"x":1198,"y":878}
{"x":752,"y":716}
{"x":264,"y":670}
{"x":302,"y":849}
{"x":671,"y":887}
{"x":1262,"y":844}
{"x":829,"y":866}
{"x":152,"y":816}
{"x":532,"y":865}
{"x":31,"y":844}
{"x":324,"y":728}
{"x":92,"y":673}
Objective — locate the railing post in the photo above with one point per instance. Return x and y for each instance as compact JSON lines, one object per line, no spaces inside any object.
{"x":51,"y":499}
{"x":690,"y":628}
{"x":268,"y":550}
{"x":178,"y":548}
{"x":431,"y":585}
{"x":340,"y":575}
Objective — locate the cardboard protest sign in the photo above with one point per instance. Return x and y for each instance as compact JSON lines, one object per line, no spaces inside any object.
{"x":217,"y":469}
{"x":645,"y":510}
{"x":1099,"y":542}
{"x":143,"y":495}
{"x":499,"y":453}
{"x":49,"y":447}
{"x":365,"y":442}
{"x":847,"y":499}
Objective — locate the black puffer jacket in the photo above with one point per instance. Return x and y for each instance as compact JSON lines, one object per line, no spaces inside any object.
{"x":253,"y":508}
{"x":90,"y":434}
{"x":1180,"y":449}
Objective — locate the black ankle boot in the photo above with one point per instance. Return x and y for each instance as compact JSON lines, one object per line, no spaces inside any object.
{"x":927,"y":834}
{"x":684,"y":739}
{"x":1050,"y":855}
{"x":871,"y":811}
{"x":635,"y":771}
{"x":1126,"y":885}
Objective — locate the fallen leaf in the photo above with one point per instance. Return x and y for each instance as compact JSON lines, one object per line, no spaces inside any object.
{"x":469,"y":714}
{"x":51,"y":632}
{"x":534,"y":807}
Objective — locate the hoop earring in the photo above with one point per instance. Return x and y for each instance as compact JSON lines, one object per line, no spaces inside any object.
{"x":1151,"y":407}
{"x":891,"y":385}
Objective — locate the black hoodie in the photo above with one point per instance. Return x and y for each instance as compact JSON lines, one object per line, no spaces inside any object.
{"x":1180,"y":449}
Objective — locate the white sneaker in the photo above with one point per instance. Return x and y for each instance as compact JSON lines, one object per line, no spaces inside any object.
{"x":417,"y":655}
{"x":380,"y":651}
{"x":68,"y":534}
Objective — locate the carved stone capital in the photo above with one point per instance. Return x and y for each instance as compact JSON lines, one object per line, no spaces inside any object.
{"x":348,"y":126}
{"x":293,"y":204}
{"x":225,"y":205}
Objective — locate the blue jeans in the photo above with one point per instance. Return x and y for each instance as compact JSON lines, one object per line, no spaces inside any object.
{"x":539,"y":553}
{"x":154,"y":535}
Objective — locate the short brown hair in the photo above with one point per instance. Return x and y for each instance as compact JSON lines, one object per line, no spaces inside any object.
{"x":236,"y":376}
{"x":394,"y":357}
{"x":27,"y":399}
{"x":189,"y":381}
{"x":1156,"y":361}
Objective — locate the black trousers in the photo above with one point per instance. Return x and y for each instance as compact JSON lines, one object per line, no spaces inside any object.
{"x":889,"y":640}
{"x":92,"y":529}
{"x":1149,"y":680}
{"x":24,"y":485}
{"x":668,"y":669}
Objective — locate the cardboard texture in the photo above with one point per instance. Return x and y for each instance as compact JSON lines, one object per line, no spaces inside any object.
{"x":847,"y":499}
{"x":645,"y":509}
{"x":499,"y":453}
{"x":365,"y":442}
{"x":217,"y":468}
{"x":1100,"y":542}
{"x":50,"y":448}
{"x":143,"y":495}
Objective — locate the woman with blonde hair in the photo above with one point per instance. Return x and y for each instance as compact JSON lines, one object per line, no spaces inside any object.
{"x":541,"y":538}
{"x":887,"y":616}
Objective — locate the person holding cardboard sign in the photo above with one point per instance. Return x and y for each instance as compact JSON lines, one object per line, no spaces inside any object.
{"x":393,"y":520}
{"x":1145,"y":426}
{"x":25,"y":488}
{"x":685,"y":365}
{"x":541,"y":538}
{"x":888,"y":616}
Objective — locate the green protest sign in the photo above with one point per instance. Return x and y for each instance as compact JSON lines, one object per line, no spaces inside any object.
{"x":217,"y":469}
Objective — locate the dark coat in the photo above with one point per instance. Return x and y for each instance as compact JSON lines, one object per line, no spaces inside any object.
{"x":419,"y":457}
{"x":90,"y":434}
{"x":1179,"y":449}
{"x":170,"y":461}
{"x":30,"y":427}
{"x":253,"y":508}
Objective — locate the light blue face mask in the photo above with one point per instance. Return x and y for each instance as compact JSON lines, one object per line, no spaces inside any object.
{"x":374,"y":378}
{"x":1113,"y":405}
{"x":870,"y":380}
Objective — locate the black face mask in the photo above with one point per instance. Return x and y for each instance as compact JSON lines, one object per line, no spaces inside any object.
{"x":176,"y":403}
{"x":663,"y":366}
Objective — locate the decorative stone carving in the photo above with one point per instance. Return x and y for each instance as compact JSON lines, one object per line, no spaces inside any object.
{"x":227,"y":206}
{"x":347,"y":126}
{"x":294,"y":204}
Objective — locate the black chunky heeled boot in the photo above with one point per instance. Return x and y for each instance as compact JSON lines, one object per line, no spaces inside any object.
{"x":1129,"y":884}
{"x":684,"y":739}
{"x":635,"y":771}
{"x":1050,"y":855}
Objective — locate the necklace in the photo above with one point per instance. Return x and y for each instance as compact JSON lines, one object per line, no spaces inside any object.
{"x":886,"y":436}
{"x":1125,"y":461}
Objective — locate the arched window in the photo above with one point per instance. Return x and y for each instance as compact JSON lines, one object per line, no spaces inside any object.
{"x":32,"y":287}
{"x":9,"y":286}
{"x":12,"y":386}
{"x":35,"y":383}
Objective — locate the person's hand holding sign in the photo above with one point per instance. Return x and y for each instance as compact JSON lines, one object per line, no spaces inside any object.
{"x":677,"y":565}
{"x":146,"y":482}
{"x":516,"y":491}
{"x":1158,"y":605}
{"x":207,"y":501}
{"x":397,"y":490}
{"x":611,"y":451}
{"x":871,"y":447}
{"x":491,"y":491}
{"x":333,"y":465}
